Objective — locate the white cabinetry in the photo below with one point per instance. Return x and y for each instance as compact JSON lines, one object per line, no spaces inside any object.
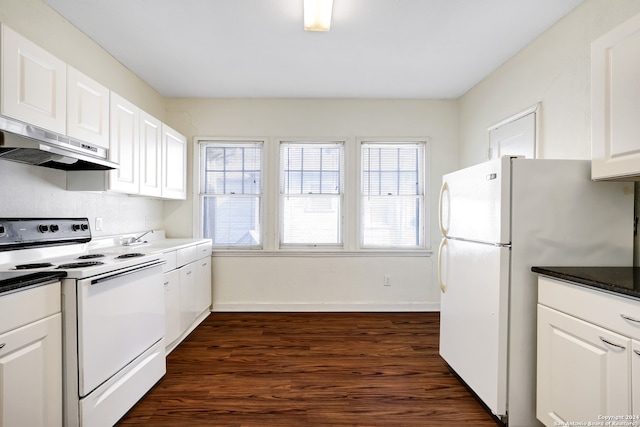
{"x":33,"y":83}
{"x":615,"y":103}
{"x":125,"y":145}
{"x":87,"y":109}
{"x":172,"y":305}
{"x":31,"y":358}
{"x":174,"y":164}
{"x":150,"y":155}
{"x":187,"y":289}
{"x":585,"y":354}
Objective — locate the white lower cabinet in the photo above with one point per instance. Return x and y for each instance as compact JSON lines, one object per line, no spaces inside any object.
{"x":31,"y":358}
{"x":588,"y":355}
{"x":172,"y":305}
{"x":187,"y":290}
{"x":583,"y":370}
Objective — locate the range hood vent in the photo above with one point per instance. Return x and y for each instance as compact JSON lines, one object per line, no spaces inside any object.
{"x":20,"y":142}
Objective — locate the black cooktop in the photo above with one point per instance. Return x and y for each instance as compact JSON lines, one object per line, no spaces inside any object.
{"x":12,"y":280}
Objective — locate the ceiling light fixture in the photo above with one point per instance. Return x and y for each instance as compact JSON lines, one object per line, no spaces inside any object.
{"x":317,"y":15}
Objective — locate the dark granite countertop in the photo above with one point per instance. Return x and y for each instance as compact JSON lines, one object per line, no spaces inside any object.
{"x":619,"y":280}
{"x":14,"y":280}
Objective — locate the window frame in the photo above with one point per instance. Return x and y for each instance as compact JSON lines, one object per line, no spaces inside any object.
{"x":199,"y":148}
{"x":301,"y":142}
{"x":351,"y":218}
{"x":424,"y":208}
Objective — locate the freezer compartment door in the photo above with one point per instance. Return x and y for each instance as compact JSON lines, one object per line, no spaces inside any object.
{"x":474,"y":280}
{"x":475,"y":202}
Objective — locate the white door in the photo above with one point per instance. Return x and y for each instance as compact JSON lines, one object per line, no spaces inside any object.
{"x":583,"y":370}
{"x":474,"y":281}
{"x":516,"y":137}
{"x":475,"y":202}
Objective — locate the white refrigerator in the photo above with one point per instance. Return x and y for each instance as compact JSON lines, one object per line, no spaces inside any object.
{"x":498,"y":219}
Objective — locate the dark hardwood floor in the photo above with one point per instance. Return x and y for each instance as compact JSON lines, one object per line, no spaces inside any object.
{"x":310,"y":369}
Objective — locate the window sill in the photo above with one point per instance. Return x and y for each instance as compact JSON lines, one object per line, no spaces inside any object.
{"x":328,"y":254}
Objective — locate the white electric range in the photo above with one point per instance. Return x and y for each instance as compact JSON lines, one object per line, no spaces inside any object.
{"x":113,"y":313}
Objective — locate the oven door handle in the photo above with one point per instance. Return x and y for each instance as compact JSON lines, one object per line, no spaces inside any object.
{"x":127,"y":272}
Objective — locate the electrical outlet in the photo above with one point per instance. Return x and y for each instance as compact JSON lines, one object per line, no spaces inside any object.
{"x":387,"y":280}
{"x":98,"y":223}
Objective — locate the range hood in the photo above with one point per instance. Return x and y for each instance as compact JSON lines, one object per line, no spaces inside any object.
{"x":20,"y":142}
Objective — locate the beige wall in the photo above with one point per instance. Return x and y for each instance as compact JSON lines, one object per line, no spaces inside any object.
{"x":303,"y":282}
{"x":553,"y":70}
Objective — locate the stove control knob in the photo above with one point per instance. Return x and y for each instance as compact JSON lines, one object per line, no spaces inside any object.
{"x":75,"y":227}
{"x":54,"y":228}
{"x":43,"y":228}
{"x":3,"y":231}
{"x":84,"y":227}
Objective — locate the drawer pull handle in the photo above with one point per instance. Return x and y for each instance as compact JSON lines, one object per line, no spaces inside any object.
{"x":612,"y":344}
{"x":637,"y":352}
{"x":2,"y":345}
{"x":629,"y":318}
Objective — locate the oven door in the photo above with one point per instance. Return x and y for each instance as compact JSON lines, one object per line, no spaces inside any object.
{"x":120,"y":315}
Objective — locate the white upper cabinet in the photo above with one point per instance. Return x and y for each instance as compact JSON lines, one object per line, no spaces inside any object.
{"x":174,"y":164}
{"x":150,"y":155}
{"x":615,"y":103}
{"x":33,"y":83}
{"x":125,"y":145}
{"x":87,"y":109}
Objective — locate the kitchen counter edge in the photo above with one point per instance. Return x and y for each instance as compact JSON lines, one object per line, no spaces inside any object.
{"x":623,"y":281}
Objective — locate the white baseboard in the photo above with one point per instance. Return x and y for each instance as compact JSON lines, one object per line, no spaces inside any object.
{"x":332,"y":307}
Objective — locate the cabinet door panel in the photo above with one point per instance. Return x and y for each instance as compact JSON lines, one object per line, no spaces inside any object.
{"x":187,"y":295}
{"x":174,"y":164}
{"x":33,"y":83}
{"x":124,"y":146}
{"x":203,"y":285}
{"x":615,"y":92}
{"x":580,"y":377}
{"x":87,"y":109}
{"x":150,"y":155}
{"x":172,"y":306}
{"x":635,"y":379}
{"x":31,"y":374}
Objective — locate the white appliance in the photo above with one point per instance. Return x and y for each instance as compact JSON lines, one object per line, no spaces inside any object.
{"x":499,"y":219}
{"x":112,"y":309}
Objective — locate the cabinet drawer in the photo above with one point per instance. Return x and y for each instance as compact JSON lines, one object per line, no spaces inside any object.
{"x":204,"y":250}
{"x":187,"y":255}
{"x":22,"y":307}
{"x":616,"y":313}
{"x":171,"y":261}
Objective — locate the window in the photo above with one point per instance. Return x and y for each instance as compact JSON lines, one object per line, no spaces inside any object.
{"x":231,"y":193}
{"x":392,"y":199}
{"x":311,"y":190}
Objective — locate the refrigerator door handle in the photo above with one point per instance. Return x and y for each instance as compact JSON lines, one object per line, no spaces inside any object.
{"x":443,"y":286}
{"x":445,"y":187}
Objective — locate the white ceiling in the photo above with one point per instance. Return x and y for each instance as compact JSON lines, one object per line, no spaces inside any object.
{"x":257,"y":48}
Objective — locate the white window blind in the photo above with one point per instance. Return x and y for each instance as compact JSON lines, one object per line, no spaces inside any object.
{"x":231,"y":193}
{"x":392,"y":200}
{"x":311,"y":192}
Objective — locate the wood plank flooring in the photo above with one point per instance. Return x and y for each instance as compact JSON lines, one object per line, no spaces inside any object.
{"x":310,"y":369}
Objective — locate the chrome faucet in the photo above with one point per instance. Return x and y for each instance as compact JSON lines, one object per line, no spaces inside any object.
{"x":136,"y":240}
